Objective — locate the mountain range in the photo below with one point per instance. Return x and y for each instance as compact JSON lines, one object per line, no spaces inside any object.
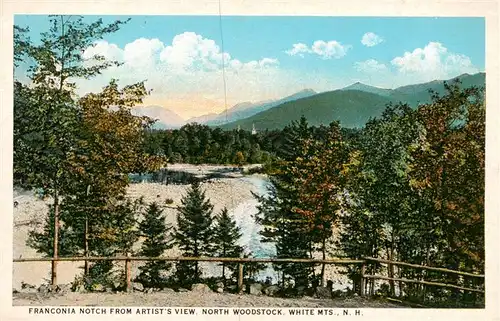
{"x":167,"y":119}
{"x":352,"y":106}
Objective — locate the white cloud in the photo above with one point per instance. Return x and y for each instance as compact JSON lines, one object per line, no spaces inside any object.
{"x":105,"y":49}
{"x":434,"y":61}
{"x":370,"y":39}
{"x":324,"y":49}
{"x":189,"y":66}
{"x":141,"y":53}
{"x":298,"y":49}
{"x":370,"y":66}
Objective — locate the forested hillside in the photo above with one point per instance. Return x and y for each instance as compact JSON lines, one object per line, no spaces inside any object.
{"x":352,"y":106}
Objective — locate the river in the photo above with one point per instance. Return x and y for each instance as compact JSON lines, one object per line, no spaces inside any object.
{"x":251,"y":240}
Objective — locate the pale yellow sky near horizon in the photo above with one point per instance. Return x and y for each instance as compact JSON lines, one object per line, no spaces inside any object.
{"x":189,"y":107}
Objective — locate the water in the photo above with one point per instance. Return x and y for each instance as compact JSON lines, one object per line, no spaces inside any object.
{"x":244,"y":215}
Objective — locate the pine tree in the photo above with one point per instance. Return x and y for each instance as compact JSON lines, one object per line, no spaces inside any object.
{"x":194,"y":234}
{"x":251,"y":269}
{"x":281,"y":224}
{"x":155,"y":231}
{"x":226,"y":235}
{"x":43,"y":240}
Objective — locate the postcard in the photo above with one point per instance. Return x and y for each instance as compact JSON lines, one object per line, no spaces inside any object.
{"x":244,"y":161}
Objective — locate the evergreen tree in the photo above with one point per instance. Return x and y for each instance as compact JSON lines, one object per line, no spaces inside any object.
{"x":226,"y":235}
{"x":194,"y":233}
{"x":155,"y":232}
{"x":281,"y":224}
{"x":43,"y":240}
{"x":251,"y":269}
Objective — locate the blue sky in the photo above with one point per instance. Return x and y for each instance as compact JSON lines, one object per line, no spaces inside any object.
{"x":271,"y":57}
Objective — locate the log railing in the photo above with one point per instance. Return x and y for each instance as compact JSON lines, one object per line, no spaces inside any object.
{"x":241,"y":261}
{"x":365,"y":276}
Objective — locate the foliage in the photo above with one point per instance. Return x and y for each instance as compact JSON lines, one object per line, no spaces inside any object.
{"x":156,"y":241}
{"x":43,"y":240}
{"x":226,"y":236}
{"x":194,"y":233}
{"x":72,"y":145}
{"x":318,"y":180}
{"x":281,"y":224}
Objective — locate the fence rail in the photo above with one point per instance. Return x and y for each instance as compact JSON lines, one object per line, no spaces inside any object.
{"x":423,"y":267}
{"x":416,"y":266}
{"x":240,"y":261}
{"x":190,"y":258}
{"x":363,"y":262}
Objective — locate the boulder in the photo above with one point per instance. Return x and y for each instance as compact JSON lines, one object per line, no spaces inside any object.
{"x":44,"y":289}
{"x":182,"y":290}
{"x":219,"y":287}
{"x":301,"y":290}
{"x":338,"y":294}
{"x":323,"y":293}
{"x":272,"y":290}
{"x":63,"y":288}
{"x":27,"y":286}
{"x":80,"y":288}
{"x":168,"y":291}
{"x":137,"y":286}
{"x":200,"y":287}
{"x":117,"y":285}
{"x":255,"y":288}
{"x":98,"y":287}
{"x":109,"y":290}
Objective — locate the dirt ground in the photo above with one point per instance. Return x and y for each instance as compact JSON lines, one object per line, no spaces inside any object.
{"x":191,"y":299}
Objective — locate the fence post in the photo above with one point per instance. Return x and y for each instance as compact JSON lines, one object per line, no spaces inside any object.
{"x":128,"y":273}
{"x":363,"y":280}
{"x":240,"y":277}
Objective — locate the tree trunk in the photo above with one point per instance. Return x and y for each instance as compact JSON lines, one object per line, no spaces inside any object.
{"x":313,"y":266}
{"x":86,"y":240}
{"x":323,"y":252}
{"x":224,"y":268}
{"x":56,"y":238}
{"x":391,"y":269}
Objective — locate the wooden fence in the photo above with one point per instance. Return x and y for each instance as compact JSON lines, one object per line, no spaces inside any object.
{"x":241,"y":261}
{"x":365,"y":276}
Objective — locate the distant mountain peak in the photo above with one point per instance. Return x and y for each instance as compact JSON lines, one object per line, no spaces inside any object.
{"x":307,"y":90}
{"x":165,"y":117}
{"x":369,"y":89}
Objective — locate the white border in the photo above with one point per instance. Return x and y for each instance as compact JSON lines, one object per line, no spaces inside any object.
{"x":487,"y":9}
